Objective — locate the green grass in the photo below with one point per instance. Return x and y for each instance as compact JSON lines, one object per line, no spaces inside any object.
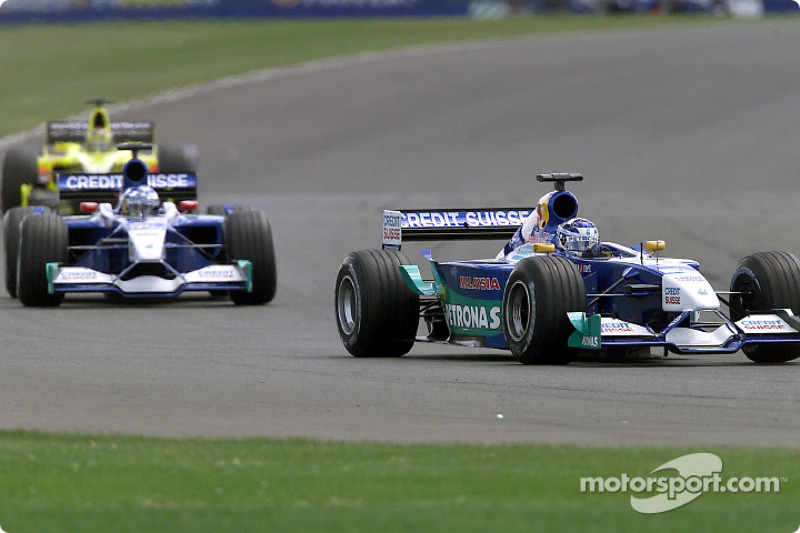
{"x":114,"y":483}
{"x":49,"y":70}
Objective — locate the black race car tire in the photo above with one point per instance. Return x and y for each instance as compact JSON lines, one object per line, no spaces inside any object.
{"x":538,"y":295}
{"x":177,"y":158}
{"x":11,"y":221}
{"x":248,"y":236}
{"x":20,"y":167}
{"x":377,"y":315}
{"x":43,"y":239}
{"x":768,"y":280}
{"x":219,"y":209}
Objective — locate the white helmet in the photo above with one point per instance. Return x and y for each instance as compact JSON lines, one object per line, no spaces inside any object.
{"x":140,"y":201}
{"x":577,"y":235}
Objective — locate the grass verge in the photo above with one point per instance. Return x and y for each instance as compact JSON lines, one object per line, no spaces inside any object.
{"x":115,"y":483}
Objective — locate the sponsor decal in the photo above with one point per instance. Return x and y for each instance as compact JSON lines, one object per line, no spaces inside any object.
{"x":114,"y":181}
{"x":538,"y":236}
{"x":151,"y":3}
{"x":689,"y":278}
{"x":170,"y":181}
{"x":391,"y":227}
{"x":77,"y":182}
{"x":375,"y":4}
{"x":478,"y":283}
{"x":451,"y":219}
{"x":473,"y":316}
{"x":615,"y":327}
{"x":590,"y":342}
{"x":764,"y":325}
{"x":216,"y":273}
{"x":70,"y":276}
{"x":672,"y":295}
{"x":585,"y":269}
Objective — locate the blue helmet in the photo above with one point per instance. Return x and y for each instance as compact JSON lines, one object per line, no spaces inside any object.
{"x":577,"y":235}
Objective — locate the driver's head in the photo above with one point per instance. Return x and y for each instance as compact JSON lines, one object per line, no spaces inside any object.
{"x":99,"y":140}
{"x":140,"y":202}
{"x":576,"y":235}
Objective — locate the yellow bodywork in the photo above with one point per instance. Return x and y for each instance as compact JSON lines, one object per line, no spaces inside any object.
{"x":98,"y":154}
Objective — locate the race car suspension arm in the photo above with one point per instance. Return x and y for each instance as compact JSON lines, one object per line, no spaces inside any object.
{"x":732,"y":306}
{"x":633,"y":290}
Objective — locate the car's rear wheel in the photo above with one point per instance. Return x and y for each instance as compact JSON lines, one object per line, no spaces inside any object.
{"x":248,"y":236}
{"x":177,"y":158}
{"x":43,"y":239}
{"x":376,"y":313}
{"x":219,"y":209}
{"x":538,"y":295}
{"x":20,"y":167}
{"x":764,"y":281}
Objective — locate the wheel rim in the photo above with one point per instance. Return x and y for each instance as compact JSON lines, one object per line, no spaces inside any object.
{"x":521,"y":308}
{"x":347,"y":307}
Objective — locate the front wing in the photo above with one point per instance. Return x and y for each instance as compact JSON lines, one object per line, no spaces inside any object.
{"x":235,"y":277}
{"x":723,"y":335}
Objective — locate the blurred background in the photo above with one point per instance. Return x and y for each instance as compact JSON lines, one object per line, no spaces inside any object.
{"x":66,"y":10}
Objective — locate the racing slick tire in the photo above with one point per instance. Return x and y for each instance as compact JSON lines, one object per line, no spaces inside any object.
{"x":219,"y":210}
{"x":767,"y":281}
{"x":376,"y":313}
{"x":43,"y":239}
{"x":538,"y":295}
{"x":11,"y":221}
{"x":248,"y":236}
{"x":20,"y":167}
{"x":177,"y":158}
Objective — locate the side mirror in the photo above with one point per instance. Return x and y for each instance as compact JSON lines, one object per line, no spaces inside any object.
{"x":654,"y":246}
{"x":188,"y":205}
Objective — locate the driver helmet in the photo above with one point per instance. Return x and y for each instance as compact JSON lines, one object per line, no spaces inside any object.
{"x":99,"y":140}
{"x":577,"y":235}
{"x":140,"y":202}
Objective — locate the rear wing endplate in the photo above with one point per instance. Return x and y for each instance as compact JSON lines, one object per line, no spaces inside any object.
{"x":451,"y":224}
{"x":107,"y":187}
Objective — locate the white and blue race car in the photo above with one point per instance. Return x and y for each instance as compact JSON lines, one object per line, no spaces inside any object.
{"x":150,"y":245}
{"x":547,"y":305}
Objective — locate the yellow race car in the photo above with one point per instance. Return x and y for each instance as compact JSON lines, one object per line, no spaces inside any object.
{"x":92,"y":147}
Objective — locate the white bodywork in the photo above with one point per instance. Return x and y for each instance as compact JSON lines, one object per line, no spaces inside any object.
{"x":146,"y":244}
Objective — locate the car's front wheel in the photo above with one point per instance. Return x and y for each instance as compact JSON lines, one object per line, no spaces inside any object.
{"x":538,"y":295}
{"x":248,"y":236}
{"x":43,"y":240}
{"x":765,"y":281}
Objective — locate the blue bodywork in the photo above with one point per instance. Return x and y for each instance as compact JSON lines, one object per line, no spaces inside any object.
{"x":635,"y":299}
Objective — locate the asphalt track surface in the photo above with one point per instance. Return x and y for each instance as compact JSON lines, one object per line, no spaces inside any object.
{"x":688,"y":135}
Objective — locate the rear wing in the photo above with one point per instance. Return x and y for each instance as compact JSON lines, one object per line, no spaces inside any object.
{"x":107,"y":187}
{"x":494,"y":223}
{"x":127,"y":131}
